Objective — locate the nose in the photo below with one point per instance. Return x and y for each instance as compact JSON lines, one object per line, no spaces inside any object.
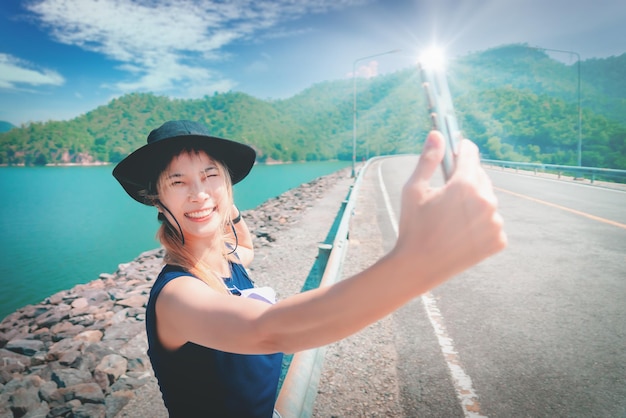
{"x":197,"y":191}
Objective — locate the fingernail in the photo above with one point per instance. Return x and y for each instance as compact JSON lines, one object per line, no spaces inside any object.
{"x":429,"y":141}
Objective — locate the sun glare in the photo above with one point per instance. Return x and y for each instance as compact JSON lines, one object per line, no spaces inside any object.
{"x":433,"y":58}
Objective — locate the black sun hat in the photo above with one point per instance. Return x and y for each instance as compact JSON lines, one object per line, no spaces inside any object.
{"x":137,"y":173}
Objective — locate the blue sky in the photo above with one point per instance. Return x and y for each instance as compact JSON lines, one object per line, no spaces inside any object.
{"x":63,"y":58}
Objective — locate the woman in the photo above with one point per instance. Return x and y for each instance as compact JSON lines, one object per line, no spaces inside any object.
{"x":218,"y":355}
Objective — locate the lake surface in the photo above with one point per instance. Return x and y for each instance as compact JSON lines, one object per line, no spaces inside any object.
{"x":61,"y":226}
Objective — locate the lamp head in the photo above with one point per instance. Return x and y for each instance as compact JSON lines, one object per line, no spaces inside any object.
{"x":433,"y":58}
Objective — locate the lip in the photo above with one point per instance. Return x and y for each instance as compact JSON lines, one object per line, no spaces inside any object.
{"x":200,"y":214}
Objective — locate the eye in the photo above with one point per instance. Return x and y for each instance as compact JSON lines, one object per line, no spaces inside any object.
{"x":211,"y":172}
{"x":176,"y":182}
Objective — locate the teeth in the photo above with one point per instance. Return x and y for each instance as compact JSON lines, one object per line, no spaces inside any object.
{"x":199,"y":214}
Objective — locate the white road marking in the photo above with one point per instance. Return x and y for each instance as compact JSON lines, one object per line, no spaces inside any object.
{"x":462,"y":382}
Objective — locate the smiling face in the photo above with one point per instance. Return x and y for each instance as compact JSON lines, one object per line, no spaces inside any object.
{"x":195,"y":189}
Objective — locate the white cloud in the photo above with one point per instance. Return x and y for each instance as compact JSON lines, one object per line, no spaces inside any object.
{"x":168,"y":45}
{"x":16,"y":73}
{"x":368,"y":70}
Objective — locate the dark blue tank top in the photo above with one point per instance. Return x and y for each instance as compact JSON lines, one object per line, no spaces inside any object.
{"x":198,"y":381}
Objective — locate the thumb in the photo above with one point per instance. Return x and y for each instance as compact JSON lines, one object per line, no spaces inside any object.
{"x":432,"y":155}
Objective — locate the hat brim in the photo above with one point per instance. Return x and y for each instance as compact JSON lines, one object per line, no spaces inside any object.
{"x":139,"y":169}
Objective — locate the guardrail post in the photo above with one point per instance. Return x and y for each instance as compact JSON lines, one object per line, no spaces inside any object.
{"x":323,"y":252}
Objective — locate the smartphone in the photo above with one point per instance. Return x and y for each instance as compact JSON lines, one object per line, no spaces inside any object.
{"x":441,"y":112}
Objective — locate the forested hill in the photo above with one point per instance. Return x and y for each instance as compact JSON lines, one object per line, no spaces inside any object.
{"x":5,"y":126}
{"x":515,"y":102}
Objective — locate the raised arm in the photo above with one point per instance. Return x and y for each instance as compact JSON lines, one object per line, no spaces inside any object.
{"x":442,"y":232}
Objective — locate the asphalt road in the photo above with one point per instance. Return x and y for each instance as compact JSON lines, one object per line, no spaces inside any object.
{"x":536,"y":331}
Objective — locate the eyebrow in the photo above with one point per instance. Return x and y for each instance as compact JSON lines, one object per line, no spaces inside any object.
{"x":170,"y":176}
{"x":206,"y":170}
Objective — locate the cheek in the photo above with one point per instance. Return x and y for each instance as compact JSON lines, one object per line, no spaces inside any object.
{"x":172,"y":196}
{"x":218,"y":188}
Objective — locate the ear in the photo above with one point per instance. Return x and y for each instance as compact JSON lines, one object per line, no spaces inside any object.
{"x":160,"y":212}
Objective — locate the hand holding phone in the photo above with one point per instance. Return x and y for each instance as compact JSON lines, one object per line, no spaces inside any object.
{"x":441,"y":112}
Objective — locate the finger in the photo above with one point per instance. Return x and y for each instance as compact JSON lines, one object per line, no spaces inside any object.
{"x":467,"y":158}
{"x":429,"y":161}
{"x":469,"y":167}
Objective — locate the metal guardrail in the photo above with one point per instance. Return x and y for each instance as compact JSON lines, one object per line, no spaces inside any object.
{"x":299,"y":389}
{"x":592,"y":173}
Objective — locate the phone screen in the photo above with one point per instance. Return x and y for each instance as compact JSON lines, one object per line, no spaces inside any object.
{"x":441,"y":112}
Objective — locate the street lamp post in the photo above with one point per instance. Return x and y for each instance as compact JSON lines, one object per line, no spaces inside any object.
{"x":354,"y":102}
{"x":580,"y":141}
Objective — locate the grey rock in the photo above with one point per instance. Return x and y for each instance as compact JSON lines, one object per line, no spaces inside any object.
{"x":89,"y":411}
{"x":117,"y":401}
{"x":12,"y":361}
{"x":26,"y":347}
{"x":53,"y":317}
{"x":69,"y":377}
{"x":69,"y":358}
{"x":125,"y":330}
{"x":111,"y":366}
{"x":134,"y":301}
{"x":40,"y":412}
{"x":87,"y":393}
{"x":60,"y":411}
{"x":46,"y":390}
{"x":66,"y":329}
{"x":23,"y":400}
{"x":98,"y":351}
{"x":56,"y":350}
{"x":90,"y":336}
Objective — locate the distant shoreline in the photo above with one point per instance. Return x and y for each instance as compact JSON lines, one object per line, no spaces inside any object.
{"x":96,"y":164}
{"x":101,"y":163}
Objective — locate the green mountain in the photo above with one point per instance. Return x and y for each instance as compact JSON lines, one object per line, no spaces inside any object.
{"x":5,"y":126}
{"x":515,"y":102}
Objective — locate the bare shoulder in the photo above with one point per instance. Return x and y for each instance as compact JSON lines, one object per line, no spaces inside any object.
{"x":181,"y":303}
{"x":184,"y":292}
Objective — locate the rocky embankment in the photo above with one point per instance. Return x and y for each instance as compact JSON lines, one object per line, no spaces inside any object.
{"x":81,"y":352}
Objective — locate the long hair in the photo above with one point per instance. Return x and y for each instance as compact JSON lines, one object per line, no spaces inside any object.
{"x":172,"y":239}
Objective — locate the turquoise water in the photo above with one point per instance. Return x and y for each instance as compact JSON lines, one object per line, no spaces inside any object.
{"x":61,"y":226}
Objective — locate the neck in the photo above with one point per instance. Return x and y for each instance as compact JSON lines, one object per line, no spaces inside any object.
{"x":211,"y":255}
